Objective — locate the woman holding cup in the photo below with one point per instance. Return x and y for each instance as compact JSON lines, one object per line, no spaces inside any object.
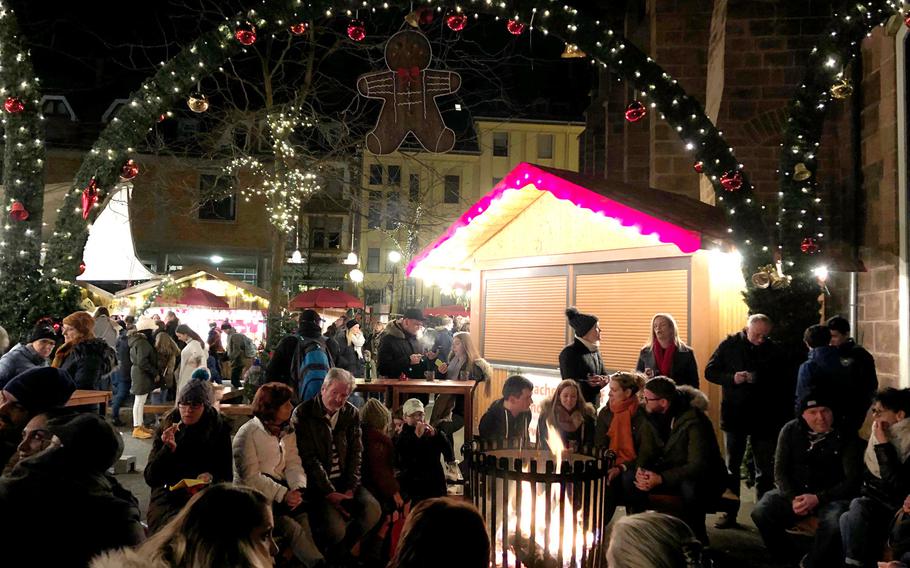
{"x":665,"y":354}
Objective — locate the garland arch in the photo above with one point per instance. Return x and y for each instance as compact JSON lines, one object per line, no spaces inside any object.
{"x":654,"y":87}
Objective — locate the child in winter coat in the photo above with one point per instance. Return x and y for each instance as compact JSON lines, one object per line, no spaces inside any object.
{"x":419,"y":448}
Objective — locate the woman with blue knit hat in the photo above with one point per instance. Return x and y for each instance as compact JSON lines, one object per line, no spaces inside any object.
{"x":581,"y":360}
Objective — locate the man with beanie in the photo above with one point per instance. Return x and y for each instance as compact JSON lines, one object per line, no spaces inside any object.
{"x":399,"y":350}
{"x":817,"y":470}
{"x":29,"y":394}
{"x":65,"y":492}
{"x":25,"y":356}
{"x":581,"y":360}
{"x":689,"y":464}
{"x":309,"y":335}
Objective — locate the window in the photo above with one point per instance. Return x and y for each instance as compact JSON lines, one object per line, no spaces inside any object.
{"x":374,"y":218}
{"x":545,"y":146}
{"x":372,"y":297}
{"x":325,"y":232}
{"x":375,"y":174}
{"x":333,"y":184}
{"x":216,"y":194}
{"x":373,"y":260}
{"x":452,"y":189}
{"x":394,"y":175}
{"x":500,"y":143}
{"x":414,"y":188}
{"x":56,"y":106}
{"x":246,"y":275}
{"x":393,"y":211}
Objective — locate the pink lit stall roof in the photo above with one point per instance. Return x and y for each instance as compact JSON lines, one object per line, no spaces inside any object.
{"x":669,"y":218}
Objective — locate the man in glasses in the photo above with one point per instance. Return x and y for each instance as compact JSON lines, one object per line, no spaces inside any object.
{"x":689,"y":464}
{"x":757,"y":402}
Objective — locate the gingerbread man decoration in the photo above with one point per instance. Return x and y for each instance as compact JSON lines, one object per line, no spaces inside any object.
{"x":408,"y":91}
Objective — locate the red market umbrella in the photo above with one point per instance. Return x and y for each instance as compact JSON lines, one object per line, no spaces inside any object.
{"x":190,"y":296}
{"x":324,"y":298}
{"x":451,"y":311}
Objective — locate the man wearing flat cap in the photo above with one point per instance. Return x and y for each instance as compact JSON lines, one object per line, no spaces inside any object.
{"x":817,"y":471}
{"x":399,"y":350}
{"x":581,"y":360}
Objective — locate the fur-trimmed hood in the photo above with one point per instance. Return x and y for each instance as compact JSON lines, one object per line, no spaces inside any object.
{"x":696,"y":398}
{"x":547,"y":405}
{"x":394,"y":329}
{"x":484,"y":367}
{"x":126,"y":558}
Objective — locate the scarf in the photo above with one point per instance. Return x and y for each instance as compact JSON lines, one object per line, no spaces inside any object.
{"x":453,"y":373}
{"x":567,"y":421}
{"x":65,"y":351}
{"x":357,"y":340}
{"x":899,"y":437}
{"x":620,"y":431}
{"x":592,"y":347}
{"x":663,"y":358}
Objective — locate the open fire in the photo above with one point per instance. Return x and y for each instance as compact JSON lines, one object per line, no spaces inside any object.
{"x":543,"y":509}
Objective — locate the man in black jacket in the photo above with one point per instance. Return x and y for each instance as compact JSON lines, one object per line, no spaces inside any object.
{"x":399,"y":350}
{"x":508,"y":418}
{"x":817,"y":471}
{"x":581,"y":360}
{"x":689,"y":464}
{"x":860,"y":365}
{"x":757,"y":402}
{"x":329,"y":441}
{"x":886,"y":479}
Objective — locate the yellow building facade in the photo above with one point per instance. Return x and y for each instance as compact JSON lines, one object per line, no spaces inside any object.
{"x":410,"y":197}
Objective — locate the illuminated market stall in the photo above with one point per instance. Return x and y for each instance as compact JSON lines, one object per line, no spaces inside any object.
{"x":544,"y":239}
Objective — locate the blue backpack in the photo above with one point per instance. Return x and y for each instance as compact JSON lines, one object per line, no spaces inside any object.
{"x":310,"y":365}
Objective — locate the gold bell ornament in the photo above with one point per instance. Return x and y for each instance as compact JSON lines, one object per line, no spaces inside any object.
{"x":801,"y":172}
{"x":771,"y":276}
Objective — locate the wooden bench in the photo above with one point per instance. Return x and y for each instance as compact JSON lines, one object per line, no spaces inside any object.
{"x":226,"y":409}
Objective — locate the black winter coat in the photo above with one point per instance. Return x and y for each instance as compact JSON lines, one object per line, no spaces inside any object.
{"x":576,"y":362}
{"x":830,"y":469}
{"x":88,"y":362}
{"x":864,"y":380}
{"x":279,"y":368}
{"x":421,"y":474}
{"x":395,"y":349}
{"x":684,"y":370}
{"x":124,"y":363}
{"x":314,"y":443}
{"x":894,"y":484}
{"x":763,"y":406}
{"x":204,"y":447}
{"x":348,"y":359}
{"x":56,"y":514}
{"x":496,"y":425}
{"x":442,"y":345}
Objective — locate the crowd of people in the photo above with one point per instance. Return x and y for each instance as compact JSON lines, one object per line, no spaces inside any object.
{"x":318,"y":477}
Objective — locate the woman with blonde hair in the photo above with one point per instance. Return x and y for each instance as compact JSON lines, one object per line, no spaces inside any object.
{"x":654,"y":540}
{"x":225,"y":525}
{"x":570,"y":415}
{"x":623,"y":428}
{"x":665,"y":354}
{"x":465,"y":364}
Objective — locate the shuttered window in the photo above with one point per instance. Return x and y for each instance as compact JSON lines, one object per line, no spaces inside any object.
{"x":524,"y":320}
{"x":625,"y":303}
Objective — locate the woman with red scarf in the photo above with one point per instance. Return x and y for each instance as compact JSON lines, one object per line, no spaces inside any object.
{"x":666,"y":354}
{"x":568,"y":413}
{"x":621,"y":427}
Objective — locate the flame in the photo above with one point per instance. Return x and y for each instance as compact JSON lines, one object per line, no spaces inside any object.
{"x":554,"y":441}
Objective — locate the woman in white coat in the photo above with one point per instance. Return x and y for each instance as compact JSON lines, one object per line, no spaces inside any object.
{"x":266,"y":459}
{"x":193,"y":356}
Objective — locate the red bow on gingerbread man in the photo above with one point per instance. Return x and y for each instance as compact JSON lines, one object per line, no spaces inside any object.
{"x":408,"y":77}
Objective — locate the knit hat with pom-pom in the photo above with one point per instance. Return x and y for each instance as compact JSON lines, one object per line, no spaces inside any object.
{"x":581,"y":323}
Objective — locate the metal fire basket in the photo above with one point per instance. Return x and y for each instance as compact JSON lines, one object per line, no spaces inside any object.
{"x":541,"y":513}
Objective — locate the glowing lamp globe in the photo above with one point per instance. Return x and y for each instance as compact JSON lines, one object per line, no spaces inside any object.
{"x":515,"y":27}
{"x":456,"y":21}
{"x":394,"y":257}
{"x":356,"y":30}
{"x":14,"y":105}
{"x":356,"y":275}
{"x":246,"y":33}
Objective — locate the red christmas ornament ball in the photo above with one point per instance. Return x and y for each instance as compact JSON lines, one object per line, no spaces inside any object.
{"x":809,"y":245}
{"x":698,"y":166}
{"x":14,"y":105}
{"x":456,"y":21}
{"x":246,"y":34}
{"x":356,"y":30}
{"x":162,"y":117}
{"x":731,"y":181}
{"x":515,"y":27}
{"x":81,"y":270}
{"x":129,"y":170}
{"x":18,"y":212}
{"x":635,"y":111}
{"x":299,"y":29}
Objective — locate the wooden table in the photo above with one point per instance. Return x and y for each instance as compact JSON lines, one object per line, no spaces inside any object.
{"x":418,"y":386}
{"x":83,"y":397}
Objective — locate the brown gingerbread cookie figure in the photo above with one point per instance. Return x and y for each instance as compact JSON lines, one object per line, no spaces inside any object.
{"x":408,"y":91}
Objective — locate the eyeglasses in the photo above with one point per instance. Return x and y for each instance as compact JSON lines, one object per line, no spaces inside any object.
{"x":193,"y":405}
{"x":652,"y":399}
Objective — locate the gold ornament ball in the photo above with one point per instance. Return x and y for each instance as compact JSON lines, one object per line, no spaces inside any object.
{"x":842,"y":89}
{"x":761,"y":279}
{"x":198,"y":102}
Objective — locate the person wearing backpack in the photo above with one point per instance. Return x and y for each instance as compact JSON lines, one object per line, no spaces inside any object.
{"x":240,"y":351}
{"x":312,"y":358}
